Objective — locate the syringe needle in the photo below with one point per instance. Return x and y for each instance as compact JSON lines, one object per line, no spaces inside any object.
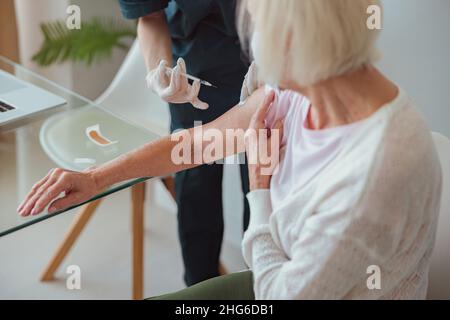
{"x":203,"y":82}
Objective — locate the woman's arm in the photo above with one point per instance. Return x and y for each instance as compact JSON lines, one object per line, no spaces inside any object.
{"x":155,"y":158}
{"x":151,"y":160}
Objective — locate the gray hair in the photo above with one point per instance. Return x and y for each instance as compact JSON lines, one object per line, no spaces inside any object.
{"x":308,"y":41}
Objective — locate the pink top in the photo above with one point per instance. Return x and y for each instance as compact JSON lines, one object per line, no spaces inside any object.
{"x":304,"y":152}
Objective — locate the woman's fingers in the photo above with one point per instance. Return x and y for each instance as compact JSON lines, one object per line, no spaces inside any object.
{"x":39,"y":199}
{"x":257,"y":123}
{"x":29,"y":204}
{"x":77,"y":186}
{"x":33,"y":190}
{"x":279,"y":126}
{"x":261,"y":113}
{"x":275,"y":141}
{"x":49,"y":195}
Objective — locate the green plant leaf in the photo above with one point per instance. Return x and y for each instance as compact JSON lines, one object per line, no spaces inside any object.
{"x":94,"y":42}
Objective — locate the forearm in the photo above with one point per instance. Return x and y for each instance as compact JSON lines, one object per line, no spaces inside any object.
{"x":154,"y":39}
{"x":152,"y":159}
{"x":155,"y":158}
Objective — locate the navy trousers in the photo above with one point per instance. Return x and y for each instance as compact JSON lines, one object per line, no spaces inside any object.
{"x":199,"y":191}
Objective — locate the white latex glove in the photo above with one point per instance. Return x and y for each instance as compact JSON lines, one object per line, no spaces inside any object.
{"x":251,"y":83}
{"x":172,"y":87}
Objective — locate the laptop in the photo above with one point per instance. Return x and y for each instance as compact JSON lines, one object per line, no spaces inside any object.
{"x":19,"y":99}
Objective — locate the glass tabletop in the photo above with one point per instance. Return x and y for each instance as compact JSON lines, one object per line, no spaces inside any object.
{"x":74,"y":135}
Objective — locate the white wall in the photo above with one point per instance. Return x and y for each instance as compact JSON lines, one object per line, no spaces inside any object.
{"x":103,"y":72}
{"x":30,"y":14}
{"x":74,"y":76}
{"x":415,"y":43}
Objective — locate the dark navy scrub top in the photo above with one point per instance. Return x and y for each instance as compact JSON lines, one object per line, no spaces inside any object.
{"x":203,"y":33}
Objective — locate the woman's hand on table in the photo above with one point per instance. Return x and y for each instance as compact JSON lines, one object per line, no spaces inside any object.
{"x":259,"y":141}
{"x":77,"y":187}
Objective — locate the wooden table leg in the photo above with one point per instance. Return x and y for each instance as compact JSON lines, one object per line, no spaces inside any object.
{"x":137,"y":199}
{"x":72,"y":235}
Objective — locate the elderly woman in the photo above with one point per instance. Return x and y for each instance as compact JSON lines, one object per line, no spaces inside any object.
{"x":357,"y":188}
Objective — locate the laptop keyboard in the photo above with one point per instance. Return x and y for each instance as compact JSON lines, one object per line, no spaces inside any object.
{"x":4,"y":107}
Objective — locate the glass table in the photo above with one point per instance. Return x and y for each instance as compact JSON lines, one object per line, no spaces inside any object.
{"x":67,"y":136}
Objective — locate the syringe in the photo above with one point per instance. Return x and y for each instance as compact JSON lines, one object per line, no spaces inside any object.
{"x":203,"y":82}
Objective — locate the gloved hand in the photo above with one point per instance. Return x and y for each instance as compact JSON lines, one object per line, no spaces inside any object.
{"x":172,"y":87}
{"x":251,"y":82}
